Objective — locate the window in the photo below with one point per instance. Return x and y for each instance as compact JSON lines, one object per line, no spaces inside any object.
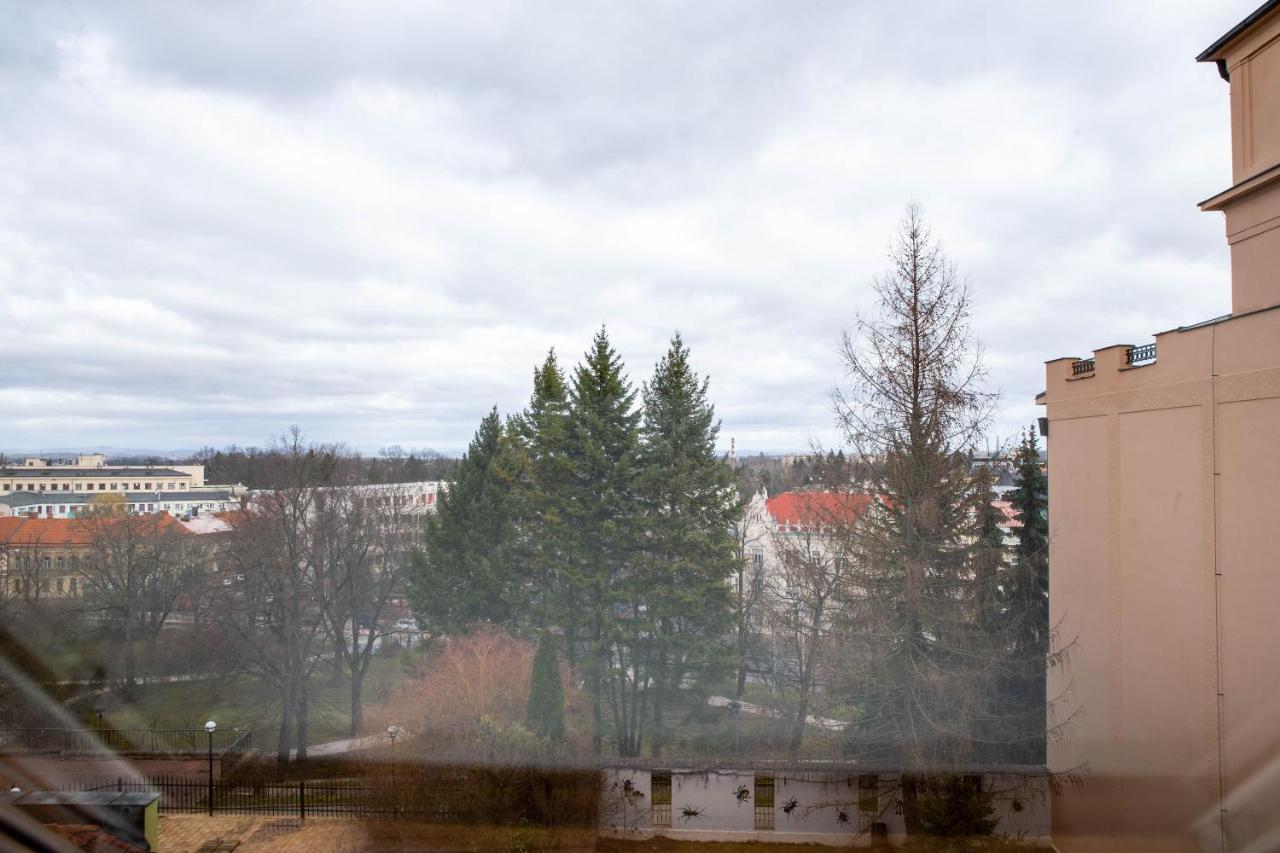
{"x":764,"y":802}
{"x":66,"y":487}
{"x":757,"y":559}
{"x":661,"y":794}
{"x":62,"y":508}
{"x":102,"y":487}
{"x":868,"y":800}
{"x":58,"y":586}
{"x":62,"y":564}
{"x":146,"y":486}
{"x":88,"y":487}
{"x":74,"y":584}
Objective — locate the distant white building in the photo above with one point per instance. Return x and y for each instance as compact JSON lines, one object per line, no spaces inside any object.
{"x":417,"y":498}
{"x":73,"y":505}
{"x":90,"y":473}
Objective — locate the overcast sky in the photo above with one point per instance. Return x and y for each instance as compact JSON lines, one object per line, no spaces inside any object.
{"x":372,"y":220}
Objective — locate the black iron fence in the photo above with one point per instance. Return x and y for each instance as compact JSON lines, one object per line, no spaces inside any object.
{"x":1085,"y":365}
{"x":1138,"y":355}
{"x":301,"y":799}
{"x":118,"y":741}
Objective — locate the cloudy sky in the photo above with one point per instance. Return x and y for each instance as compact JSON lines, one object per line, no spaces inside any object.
{"x":371,"y":220}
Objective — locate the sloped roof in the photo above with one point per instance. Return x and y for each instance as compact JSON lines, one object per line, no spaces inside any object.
{"x":52,"y":532}
{"x":816,"y":507}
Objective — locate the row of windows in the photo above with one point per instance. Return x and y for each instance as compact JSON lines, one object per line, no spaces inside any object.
{"x":46,"y":562}
{"x":140,"y":486}
{"x":62,"y":509}
{"x":63,"y":586}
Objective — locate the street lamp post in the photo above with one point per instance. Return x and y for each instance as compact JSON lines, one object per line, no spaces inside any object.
{"x":209,"y":728}
{"x":393,"y":731}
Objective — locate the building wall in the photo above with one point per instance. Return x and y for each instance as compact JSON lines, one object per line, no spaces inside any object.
{"x":1163,"y":497}
{"x":134,"y":482}
{"x":1251,"y":207}
{"x":820,"y":796}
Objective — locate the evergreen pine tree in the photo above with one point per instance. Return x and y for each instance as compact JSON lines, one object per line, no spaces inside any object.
{"x":542,"y":432}
{"x":465,"y":573}
{"x":1029,"y":596}
{"x":544,"y":714}
{"x":600,"y":511}
{"x":689,"y":498}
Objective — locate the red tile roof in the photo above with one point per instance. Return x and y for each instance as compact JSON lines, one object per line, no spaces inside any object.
{"x":817,"y":507}
{"x":62,"y":532}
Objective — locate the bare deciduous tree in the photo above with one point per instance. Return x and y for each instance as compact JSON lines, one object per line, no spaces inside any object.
{"x":806,"y":597}
{"x":134,"y":569}
{"x":914,"y":403}
{"x":363,"y":545}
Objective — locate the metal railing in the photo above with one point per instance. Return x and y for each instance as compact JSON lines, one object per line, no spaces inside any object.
{"x":1138,"y":355}
{"x":1084,"y":365}
{"x":230,"y":757}
{"x":118,"y":741}
{"x":301,"y":799}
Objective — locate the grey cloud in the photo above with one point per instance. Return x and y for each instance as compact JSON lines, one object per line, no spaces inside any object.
{"x":218,"y":219}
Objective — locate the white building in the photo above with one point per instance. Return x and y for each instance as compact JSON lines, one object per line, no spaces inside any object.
{"x":73,"y":505}
{"x":89,"y":473}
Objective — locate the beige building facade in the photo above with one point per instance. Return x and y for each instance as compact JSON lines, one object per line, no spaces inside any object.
{"x":90,"y":473}
{"x":1164,"y":498}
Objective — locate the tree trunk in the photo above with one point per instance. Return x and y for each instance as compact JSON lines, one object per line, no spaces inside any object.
{"x":911,"y":803}
{"x":357,"y":700}
{"x":659,"y":695}
{"x":130,"y":660}
{"x":303,"y":717}
{"x":285,"y":742}
{"x":797,"y":730}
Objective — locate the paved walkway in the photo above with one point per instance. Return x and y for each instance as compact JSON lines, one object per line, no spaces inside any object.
{"x":203,"y":834}
{"x":758,"y":711}
{"x":340,"y":747}
{"x":197,"y":833}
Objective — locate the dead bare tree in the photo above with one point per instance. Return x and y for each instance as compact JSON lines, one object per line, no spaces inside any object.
{"x":363,"y":545}
{"x":275,"y":606}
{"x":912,"y":407}
{"x":749,"y":585}
{"x":134,"y":569}
{"x":813,"y":553}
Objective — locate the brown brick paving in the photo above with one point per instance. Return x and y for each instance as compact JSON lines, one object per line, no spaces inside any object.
{"x":203,"y":834}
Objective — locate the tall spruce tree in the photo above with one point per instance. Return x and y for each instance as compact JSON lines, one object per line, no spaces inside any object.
{"x":542,"y":433}
{"x":1029,"y":598}
{"x":914,"y":404}
{"x":689,"y":499}
{"x":544,"y":714}
{"x":603,"y":463}
{"x":466,"y":572}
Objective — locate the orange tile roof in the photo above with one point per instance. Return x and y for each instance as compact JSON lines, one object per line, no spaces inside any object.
{"x":9,"y":525}
{"x":63,"y":532}
{"x":816,"y":507}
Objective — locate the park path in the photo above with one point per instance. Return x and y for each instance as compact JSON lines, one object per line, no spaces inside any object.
{"x":759,"y":711}
{"x":341,"y":747}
